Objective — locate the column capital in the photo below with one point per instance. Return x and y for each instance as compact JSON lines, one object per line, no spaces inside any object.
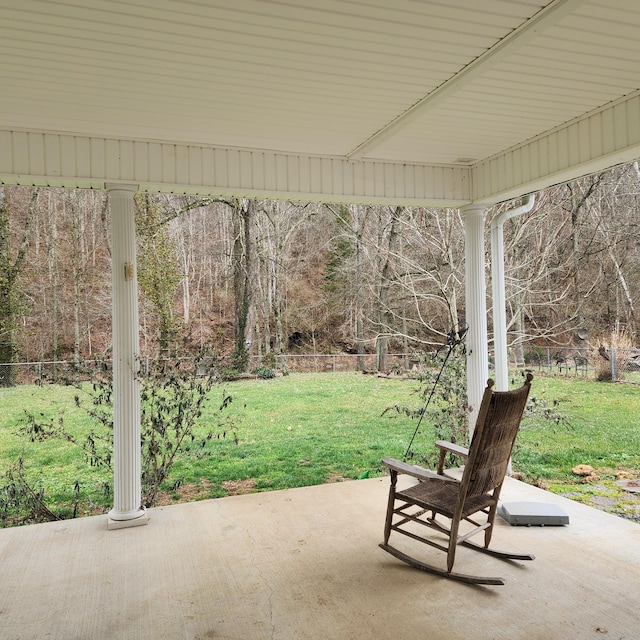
{"x":474,"y":209}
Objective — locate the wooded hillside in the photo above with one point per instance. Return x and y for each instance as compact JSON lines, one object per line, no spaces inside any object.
{"x":254,"y":277}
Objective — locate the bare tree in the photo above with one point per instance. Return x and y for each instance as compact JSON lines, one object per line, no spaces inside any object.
{"x":346,"y":274}
{"x":284,"y":276}
{"x":430,"y":274}
{"x":12,"y":255}
{"x":159,"y":273}
{"x":388,"y":280}
{"x":243,"y":215}
{"x":278,"y":227}
{"x":616,"y":219}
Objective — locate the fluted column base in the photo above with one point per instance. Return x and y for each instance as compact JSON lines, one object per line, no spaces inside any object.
{"x":118,"y":520}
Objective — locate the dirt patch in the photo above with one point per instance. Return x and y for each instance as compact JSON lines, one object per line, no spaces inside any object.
{"x":238,"y":487}
{"x":185,"y":493}
{"x":334,"y":477}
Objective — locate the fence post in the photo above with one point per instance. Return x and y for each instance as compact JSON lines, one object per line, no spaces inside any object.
{"x":612,"y":353}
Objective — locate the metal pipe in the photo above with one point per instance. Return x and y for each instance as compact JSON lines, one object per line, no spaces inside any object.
{"x":498,"y":291}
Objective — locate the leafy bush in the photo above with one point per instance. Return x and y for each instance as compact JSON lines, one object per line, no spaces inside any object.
{"x":265,"y":373}
{"x":270,"y":360}
{"x":620,"y":341}
{"x":228,"y":375}
{"x":443,"y":391}
{"x":172,"y":399}
{"x":443,"y":394}
{"x":23,"y":501}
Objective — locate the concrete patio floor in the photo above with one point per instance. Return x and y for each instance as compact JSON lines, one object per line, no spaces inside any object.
{"x":305,"y":563}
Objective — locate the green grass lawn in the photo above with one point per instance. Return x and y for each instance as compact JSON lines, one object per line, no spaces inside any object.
{"x":307,"y":429}
{"x":604,"y":429}
{"x":603,"y":432}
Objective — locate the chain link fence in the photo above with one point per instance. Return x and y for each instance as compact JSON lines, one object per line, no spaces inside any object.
{"x":595,"y":364}
{"x":71,"y":372}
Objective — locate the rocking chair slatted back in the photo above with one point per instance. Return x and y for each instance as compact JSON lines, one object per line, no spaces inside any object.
{"x":492,"y":443}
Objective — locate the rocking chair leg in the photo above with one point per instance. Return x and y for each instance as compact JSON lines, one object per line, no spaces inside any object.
{"x":390,"y":505}
{"x":453,"y":543}
{"x":491,"y":519}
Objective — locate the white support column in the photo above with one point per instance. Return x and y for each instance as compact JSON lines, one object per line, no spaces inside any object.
{"x":476,"y":310}
{"x":127,"y":508}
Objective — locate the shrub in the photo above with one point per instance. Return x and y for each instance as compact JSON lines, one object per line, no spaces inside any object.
{"x":443,"y":393}
{"x":265,"y":373}
{"x":618,"y":344}
{"x":171,"y":397}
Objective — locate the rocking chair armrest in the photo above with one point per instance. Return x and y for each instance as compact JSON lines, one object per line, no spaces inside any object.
{"x":452,"y":448}
{"x":456,"y":449}
{"x":412,"y":470}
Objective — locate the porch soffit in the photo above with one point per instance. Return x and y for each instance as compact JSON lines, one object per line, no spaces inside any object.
{"x":431,"y":103}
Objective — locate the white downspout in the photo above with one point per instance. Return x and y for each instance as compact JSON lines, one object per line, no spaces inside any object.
{"x":498,"y":291}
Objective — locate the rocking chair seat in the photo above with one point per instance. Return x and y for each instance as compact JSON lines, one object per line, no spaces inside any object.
{"x":442,"y":498}
{"x":473,"y":499}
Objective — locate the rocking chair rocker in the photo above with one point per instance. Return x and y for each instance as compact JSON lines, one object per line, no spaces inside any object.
{"x":478,"y":491}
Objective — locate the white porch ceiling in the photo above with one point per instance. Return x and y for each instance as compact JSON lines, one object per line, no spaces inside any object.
{"x":422,"y":102}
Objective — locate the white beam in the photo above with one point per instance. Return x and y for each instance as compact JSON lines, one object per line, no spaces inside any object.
{"x":589,"y":144}
{"x":88,"y":162}
{"x":127,"y":508}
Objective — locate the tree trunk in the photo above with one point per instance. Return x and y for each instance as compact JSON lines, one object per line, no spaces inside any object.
{"x":243,"y":253}
{"x":386,"y":282}
{"x":578,"y":203}
{"x":359,"y":297}
{"x":9,"y":295}
{"x":77,"y":275}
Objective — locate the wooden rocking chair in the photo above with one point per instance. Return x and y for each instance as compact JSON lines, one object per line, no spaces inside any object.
{"x":477,"y":493}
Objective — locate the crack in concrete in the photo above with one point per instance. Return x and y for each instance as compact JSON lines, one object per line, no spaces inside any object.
{"x":252,"y":556}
